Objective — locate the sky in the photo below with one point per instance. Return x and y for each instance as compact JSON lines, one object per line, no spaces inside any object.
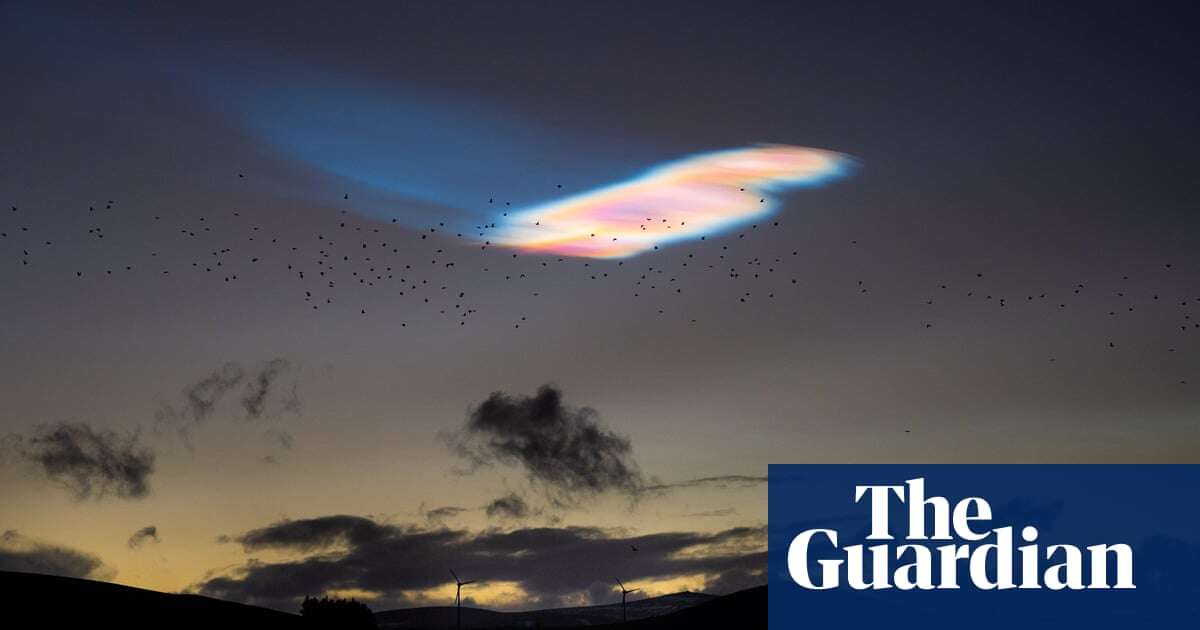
{"x":280,"y":316}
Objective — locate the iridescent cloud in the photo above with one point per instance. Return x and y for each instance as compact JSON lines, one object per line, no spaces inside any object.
{"x":689,"y":198}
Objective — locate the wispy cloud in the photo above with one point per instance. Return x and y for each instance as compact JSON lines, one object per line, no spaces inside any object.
{"x":142,"y":536}
{"x":509,"y":506}
{"x":712,"y":513}
{"x":721,"y":481}
{"x":440,"y":514}
{"x":266,"y":389}
{"x":564,"y":450}
{"x":89,"y":462}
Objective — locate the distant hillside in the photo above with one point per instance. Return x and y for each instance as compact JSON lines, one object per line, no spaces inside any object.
{"x":442,"y":617}
{"x":47,"y":601}
{"x":743,"y":610}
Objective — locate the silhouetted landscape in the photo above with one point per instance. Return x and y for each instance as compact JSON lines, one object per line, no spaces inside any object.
{"x":63,"y":602}
{"x":443,"y":616}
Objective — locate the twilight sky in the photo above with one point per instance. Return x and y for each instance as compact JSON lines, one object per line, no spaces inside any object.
{"x":245,"y":351}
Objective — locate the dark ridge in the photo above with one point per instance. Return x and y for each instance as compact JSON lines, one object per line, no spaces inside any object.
{"x":49,"y":601}
{"x":742,"y":610}
{"x":61,"y":602}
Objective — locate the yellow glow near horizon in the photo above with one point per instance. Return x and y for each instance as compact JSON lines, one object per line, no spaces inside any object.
{"x":497,"y":594}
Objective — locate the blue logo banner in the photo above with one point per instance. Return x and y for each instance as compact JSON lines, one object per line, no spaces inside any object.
{"x":984,"y":546}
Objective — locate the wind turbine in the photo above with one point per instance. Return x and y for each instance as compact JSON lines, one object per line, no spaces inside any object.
{"x":624,"y":592}
{"x":458,"y":598}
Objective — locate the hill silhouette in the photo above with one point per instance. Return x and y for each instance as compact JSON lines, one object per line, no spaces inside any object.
{"x":50,"y":601}
{"x":744,"y":609}
{"x":438,"y":617}
{"x":61,"y":602}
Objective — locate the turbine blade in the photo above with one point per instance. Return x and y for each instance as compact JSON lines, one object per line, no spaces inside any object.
{"x":619,"y":584}
{"x":455,"y":575}
{"x":468,"y":582}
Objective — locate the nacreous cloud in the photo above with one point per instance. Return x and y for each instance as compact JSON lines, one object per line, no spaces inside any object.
{"x":699,"y":195}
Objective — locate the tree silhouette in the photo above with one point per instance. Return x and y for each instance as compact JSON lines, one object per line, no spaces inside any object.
{"x":334,"y":614}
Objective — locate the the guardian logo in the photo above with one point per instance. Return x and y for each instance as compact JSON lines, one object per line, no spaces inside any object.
{"x":974,"y":554}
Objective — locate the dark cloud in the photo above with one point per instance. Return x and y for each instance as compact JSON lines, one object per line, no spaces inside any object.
{"x":202,"y":396}
{"x":19,"y":553}
{"x":142,"y":536}
{"x":439,"y":514}
{"x":509,"y":506}
{"x":263,"y":384}
{"x":87,"y":461}
{"x":312,"y":534}
{"x":553,"y":565}
{"x":563,"y":449}
{"x":262,"y":389}
{"x":722,"y":481}
{"x":708,"y":513}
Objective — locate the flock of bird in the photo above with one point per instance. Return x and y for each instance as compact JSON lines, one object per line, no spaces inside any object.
{"x":354,"y":251}
{"x":427,"y":266}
